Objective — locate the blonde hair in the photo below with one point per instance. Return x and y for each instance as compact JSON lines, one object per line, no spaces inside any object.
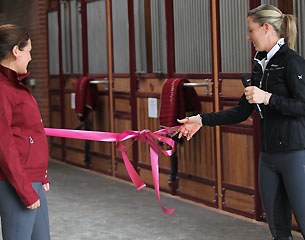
{"x":283,"y":24}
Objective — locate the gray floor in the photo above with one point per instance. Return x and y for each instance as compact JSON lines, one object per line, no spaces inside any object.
{"x":87,"y":206}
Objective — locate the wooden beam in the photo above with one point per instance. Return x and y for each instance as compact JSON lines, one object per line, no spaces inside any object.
{"x":110,"y":76}
{"x":215,"y":54}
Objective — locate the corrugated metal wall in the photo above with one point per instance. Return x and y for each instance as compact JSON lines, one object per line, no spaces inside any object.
{"x":192,"y":36}
{"x":76,"y":33}
{"x":139,"y":18}
{"x":120,"y":36}
{"x":97,"y":38}
{"x":65,"y":37}
{"x":53,"y":43}
{"x":235,"y":49}
{"x":158,"y":36}
{"x":272,"y":2}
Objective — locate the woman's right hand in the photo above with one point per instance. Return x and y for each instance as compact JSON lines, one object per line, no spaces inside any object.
{"x":34,"y":205}
{"x":190,"y":126}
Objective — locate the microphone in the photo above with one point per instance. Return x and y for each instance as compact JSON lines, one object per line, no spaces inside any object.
{"x":246,"y":80}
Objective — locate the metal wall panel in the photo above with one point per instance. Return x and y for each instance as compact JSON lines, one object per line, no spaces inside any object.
{"x":192,"y":36}
{"x":97,"y":37}
{"x":76,"y":28}
{"x":139,"y":18}
{"x":53,"y":43}
{"x":235,"y":49}
{"x":272,"y":2}
{"x":158,"y":36}
{"x":65,"y":37}
{"x":120,"y":36}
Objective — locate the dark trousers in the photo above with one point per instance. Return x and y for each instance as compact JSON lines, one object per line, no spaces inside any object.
{"x":282,"y":188}
{"x":19,"y":222}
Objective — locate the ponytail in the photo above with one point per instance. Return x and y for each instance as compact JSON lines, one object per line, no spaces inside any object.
{"x":289,"y":30}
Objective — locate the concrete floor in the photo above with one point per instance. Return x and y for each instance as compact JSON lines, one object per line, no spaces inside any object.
{"x":84,"y":205}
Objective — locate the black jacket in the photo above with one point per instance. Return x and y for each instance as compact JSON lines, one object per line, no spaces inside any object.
{"x":283,"y":125}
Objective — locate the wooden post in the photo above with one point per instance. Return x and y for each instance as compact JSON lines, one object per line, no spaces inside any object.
{"x":62,"y":83}
{"x":110,"y":68}
{"x":216,"y":100}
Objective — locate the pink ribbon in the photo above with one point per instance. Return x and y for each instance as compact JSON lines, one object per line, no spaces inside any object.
{"x":145,"y":136}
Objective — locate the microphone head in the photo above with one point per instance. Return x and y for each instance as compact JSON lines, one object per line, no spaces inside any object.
{"x":246,"y":80}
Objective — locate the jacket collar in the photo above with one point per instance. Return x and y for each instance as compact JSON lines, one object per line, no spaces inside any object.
{"x":12,"y":75}
{"x":259,"y":56}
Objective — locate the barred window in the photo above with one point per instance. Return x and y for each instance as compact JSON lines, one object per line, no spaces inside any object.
{"x":192,"y":36}
{"x":97,"y":37}
{"x":53,"y":43}
{"x":120,"y":29}
{"x":235,"y":49}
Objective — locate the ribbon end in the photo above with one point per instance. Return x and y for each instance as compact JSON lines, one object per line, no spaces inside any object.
{"x":168,"y":211}
{"x":141,"y":186}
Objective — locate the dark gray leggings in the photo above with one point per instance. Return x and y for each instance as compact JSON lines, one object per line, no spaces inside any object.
{"x":19,"y":222}
{"x":282,"y":188}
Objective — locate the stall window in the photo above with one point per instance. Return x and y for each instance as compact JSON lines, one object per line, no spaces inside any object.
{"x":97,"y":37}
{"x":272,"y":2}
{"x":71,"y":37}
{"x":65,"y":36}
{"x":150,"y":36}
{"x":120,"y":29}
{"x":76,"y":41}
{"x":158,"y":36}
{"x":140,"y":41}
{"x":192,"y":36}
{"x":235,"y":49}
{"x":53,"y":43}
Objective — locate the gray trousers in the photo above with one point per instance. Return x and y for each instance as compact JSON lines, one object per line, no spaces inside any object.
{"x":282,"y":188}
{"x":19,"y":222}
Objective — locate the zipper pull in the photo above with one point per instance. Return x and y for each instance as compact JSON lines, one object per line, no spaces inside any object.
{"x":31,"y":140}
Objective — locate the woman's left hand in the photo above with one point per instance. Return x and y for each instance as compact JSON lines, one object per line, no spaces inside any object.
{"x":255,"y":94}
{"x":46,"y":186}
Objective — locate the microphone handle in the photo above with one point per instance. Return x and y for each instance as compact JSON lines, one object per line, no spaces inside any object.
{"x":247,"y":83}
{"x":259,"y":110}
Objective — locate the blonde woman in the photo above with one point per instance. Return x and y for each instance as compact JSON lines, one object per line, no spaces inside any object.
{"x":278,"y":87}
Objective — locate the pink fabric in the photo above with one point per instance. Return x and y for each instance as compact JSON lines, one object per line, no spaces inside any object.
{"x":144,"y":136}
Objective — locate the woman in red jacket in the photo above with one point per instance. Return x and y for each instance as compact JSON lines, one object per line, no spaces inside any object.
{"x":23,"y":144}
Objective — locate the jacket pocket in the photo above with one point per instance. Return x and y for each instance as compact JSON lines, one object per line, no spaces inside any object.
{"x":38,"y":152}
{"x":23,"y":147}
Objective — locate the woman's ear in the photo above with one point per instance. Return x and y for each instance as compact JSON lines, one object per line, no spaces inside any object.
{"x":267,"y":27}
{"x":15,"y":51}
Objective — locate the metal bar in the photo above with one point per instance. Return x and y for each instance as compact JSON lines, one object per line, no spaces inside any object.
{"x":195,"y":84}
{"x":98,"y":81}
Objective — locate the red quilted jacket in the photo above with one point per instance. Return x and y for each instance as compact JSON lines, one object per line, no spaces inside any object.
{"x":23,"y":145}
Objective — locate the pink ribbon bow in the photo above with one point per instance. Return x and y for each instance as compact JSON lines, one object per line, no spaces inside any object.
{"x":143,"y":136}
